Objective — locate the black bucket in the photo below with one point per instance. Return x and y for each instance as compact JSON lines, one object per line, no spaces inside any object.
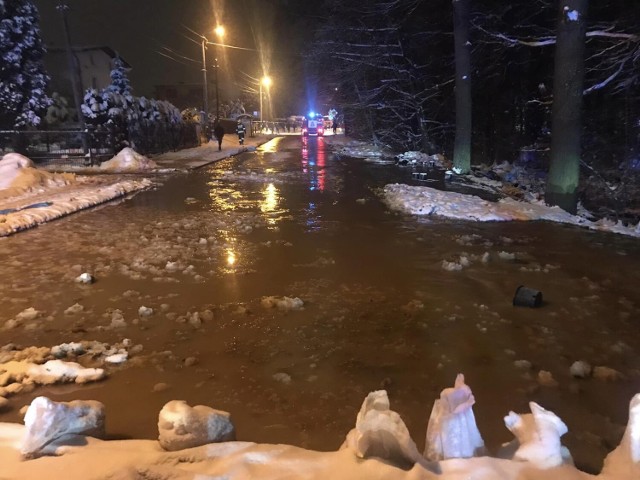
{"x":527,"y":297}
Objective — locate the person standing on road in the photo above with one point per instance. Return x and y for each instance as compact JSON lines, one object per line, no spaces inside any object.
{"x":241,"y":130}
{"x":218,"y":131}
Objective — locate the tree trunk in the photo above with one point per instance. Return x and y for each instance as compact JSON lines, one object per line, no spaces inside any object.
{"x":462,"y":146}
{"x":566,"y":121}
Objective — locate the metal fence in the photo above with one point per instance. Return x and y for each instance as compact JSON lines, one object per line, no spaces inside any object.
{"x":58,"y":147}
{"x":74,"y":147}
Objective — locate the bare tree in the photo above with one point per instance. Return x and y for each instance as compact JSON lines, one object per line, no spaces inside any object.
{"x":373,"y":61}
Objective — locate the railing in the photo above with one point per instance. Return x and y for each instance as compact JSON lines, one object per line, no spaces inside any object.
{"x":58,"y":147}
{"x":74,"y":147}
{"x":274,"y":128}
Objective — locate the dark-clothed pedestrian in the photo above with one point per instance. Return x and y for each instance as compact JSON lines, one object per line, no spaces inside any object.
{"x":241,"y":130}
{"x":335,"y":126}
{"x":218,"y":131}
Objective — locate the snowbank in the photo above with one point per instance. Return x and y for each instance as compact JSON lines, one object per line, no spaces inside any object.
{"x":378,"y":448}
{"x":128,"y":160}
{"x":82,"y":194}
{"x":19,"y":175}
{"x":429,"y":201}
{"x":365,"y":150}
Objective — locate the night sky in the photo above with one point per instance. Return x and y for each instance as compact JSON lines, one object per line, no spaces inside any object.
{"x":138,"y":29}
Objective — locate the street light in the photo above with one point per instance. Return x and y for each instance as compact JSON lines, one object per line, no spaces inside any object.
{"x":266,"y":81}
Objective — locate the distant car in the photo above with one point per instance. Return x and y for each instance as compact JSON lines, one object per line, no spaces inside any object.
{"x":326,"y":121}
{"x":313,"y":126}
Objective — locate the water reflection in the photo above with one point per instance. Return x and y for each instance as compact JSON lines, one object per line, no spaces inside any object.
{"x":271,"y":146}
{"x":224,"y":197}
{"x":314,"y":161}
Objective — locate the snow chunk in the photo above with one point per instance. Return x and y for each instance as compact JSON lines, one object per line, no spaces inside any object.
{"x":62,"y":350}
{"x":73,"y":309}
{"x":55,"y":371}
{"x":538,"y":437}
{"x":181,"y":426}
{"x":145,"y":311}
{"x":282,"y":303}
{"x":282,"y":378}
{"x":116,"y":358}
{"x":452,"y":430}
{"x":46,"y":421}
{"x":85,"y":278}
{"x":128,"y":160}
{"x":580,"y":369}
{"x":380,"y":432}
{"x":606,"y":374}
{"x":545,"y":378}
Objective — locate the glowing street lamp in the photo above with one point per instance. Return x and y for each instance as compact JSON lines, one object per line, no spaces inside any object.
{"x":266,"y":81}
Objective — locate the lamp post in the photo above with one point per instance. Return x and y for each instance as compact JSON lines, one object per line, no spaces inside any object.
{"x":220,"y":34}
{"x":266,"y":81}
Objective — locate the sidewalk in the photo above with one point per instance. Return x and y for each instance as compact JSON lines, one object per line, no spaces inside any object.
{"x":191,"y":158}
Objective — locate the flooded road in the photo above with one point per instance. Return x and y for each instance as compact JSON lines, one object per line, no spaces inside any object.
{"x":380,"y":311}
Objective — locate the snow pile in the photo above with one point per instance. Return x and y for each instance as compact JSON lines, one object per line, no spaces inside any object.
{"x":128,"y":160}
{"x":379,"y":447}
{"x":429,"y":201}
{"x":19,"y":175}
{"x":21,"y":370}
{"x":46,"y":421}
{"x":181,"y":426}
{"x":282,"y":303}
{"x":365,"y":150}
{"x":52,"y":371}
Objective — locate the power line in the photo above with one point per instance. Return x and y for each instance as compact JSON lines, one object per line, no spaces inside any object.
{"x":171,"y":58}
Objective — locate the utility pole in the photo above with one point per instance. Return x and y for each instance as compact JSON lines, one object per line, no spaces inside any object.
{"x":216,"y":66}
{"x":205,"y":92}
{"x":74,"y":73}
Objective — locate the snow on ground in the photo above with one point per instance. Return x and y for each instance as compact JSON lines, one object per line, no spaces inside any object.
{"x":379,"y":447}
{"x":429,"y":201}
{"x":367,"y":151}
{"x":87,"y":192}
{"x":29,"y":196}
{"x":128,"y":160}
{"x":18,"y":175}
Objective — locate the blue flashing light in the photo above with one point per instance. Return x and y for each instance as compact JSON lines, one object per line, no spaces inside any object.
{"x":312,"y":114}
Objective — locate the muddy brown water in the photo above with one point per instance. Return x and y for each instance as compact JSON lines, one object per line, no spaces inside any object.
{"x":380,"y":311}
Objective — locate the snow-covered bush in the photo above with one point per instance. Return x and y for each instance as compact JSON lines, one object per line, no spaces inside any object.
{"x":23,"y":80}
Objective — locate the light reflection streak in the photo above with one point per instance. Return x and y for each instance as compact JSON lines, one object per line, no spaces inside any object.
{"x":313,"y":162}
